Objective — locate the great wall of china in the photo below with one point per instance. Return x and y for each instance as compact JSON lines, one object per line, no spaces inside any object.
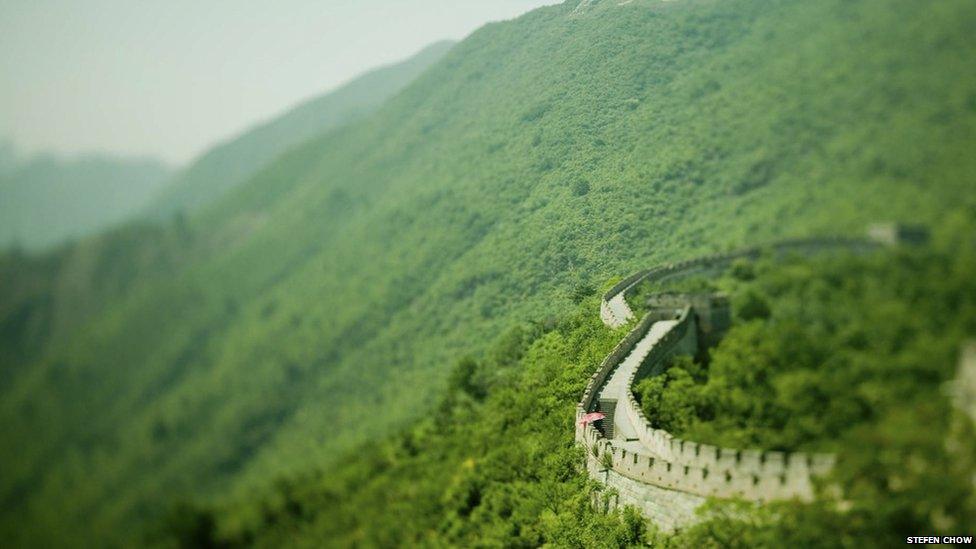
{"x":665,"y":477}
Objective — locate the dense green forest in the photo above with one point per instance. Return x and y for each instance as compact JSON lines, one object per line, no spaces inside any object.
{"x":229,"y":164}
{"x":820,"y":351}
{"x":46,"y":200}
{"x":47,"y":297}
{"x":321,"y":303}
{"x":854,"y":357}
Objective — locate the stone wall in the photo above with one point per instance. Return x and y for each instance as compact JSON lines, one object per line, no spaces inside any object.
{"x":694,"y":479}
{"x":713,"y":313}
{"x":665,"y":468}
{"x":613,"y":359}
{"x":676,"y":464}
{"x":667,"y":509}
{"x":719,"y":261}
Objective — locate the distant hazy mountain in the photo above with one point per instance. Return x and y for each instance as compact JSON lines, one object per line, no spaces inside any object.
{"x":8,"y":156}
{"x":45,"y":200}
{"x":227,"y":165}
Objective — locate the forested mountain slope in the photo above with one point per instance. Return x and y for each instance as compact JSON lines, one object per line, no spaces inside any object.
{"x":330,"y":294}
{"x":848,"y":351}
{"x":228,"y":164}
{"x":46,"y":297}
{"x":47,"y":200}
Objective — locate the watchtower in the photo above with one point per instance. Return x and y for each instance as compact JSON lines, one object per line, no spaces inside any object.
{"x":712,"y":312}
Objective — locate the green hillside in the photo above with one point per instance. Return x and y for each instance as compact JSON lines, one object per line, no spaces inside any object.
{"x":229,"y":164}
{"x":47,"y":200}
{"x":494,"y":463}
{"x":325,"y":300}
{"x":47,"y":297}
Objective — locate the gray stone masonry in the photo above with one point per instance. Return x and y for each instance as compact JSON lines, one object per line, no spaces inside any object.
{"x":665,"y":477}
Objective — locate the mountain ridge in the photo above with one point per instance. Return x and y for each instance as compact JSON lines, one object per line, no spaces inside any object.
{"x":236,"y":158}
{"x":46,"y":200}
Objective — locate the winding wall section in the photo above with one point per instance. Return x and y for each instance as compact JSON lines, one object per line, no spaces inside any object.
{"x":664,"y":476}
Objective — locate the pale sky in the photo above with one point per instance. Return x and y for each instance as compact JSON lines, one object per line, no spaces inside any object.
{"x":168,"y":78}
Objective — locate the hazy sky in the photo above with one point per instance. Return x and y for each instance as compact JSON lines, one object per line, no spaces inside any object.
{"x":168,"y":78}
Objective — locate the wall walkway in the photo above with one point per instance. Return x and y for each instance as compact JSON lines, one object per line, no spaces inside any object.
{"x":649,"y":466}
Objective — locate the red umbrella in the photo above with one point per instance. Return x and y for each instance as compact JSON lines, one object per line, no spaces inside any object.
{"x":591,"y":417}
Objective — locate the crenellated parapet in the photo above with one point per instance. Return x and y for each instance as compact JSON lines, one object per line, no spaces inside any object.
{"x":622,"y":349}
{"x":730,"y":474}
{"x":629,"y":447}
{"x":660,"y":459}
